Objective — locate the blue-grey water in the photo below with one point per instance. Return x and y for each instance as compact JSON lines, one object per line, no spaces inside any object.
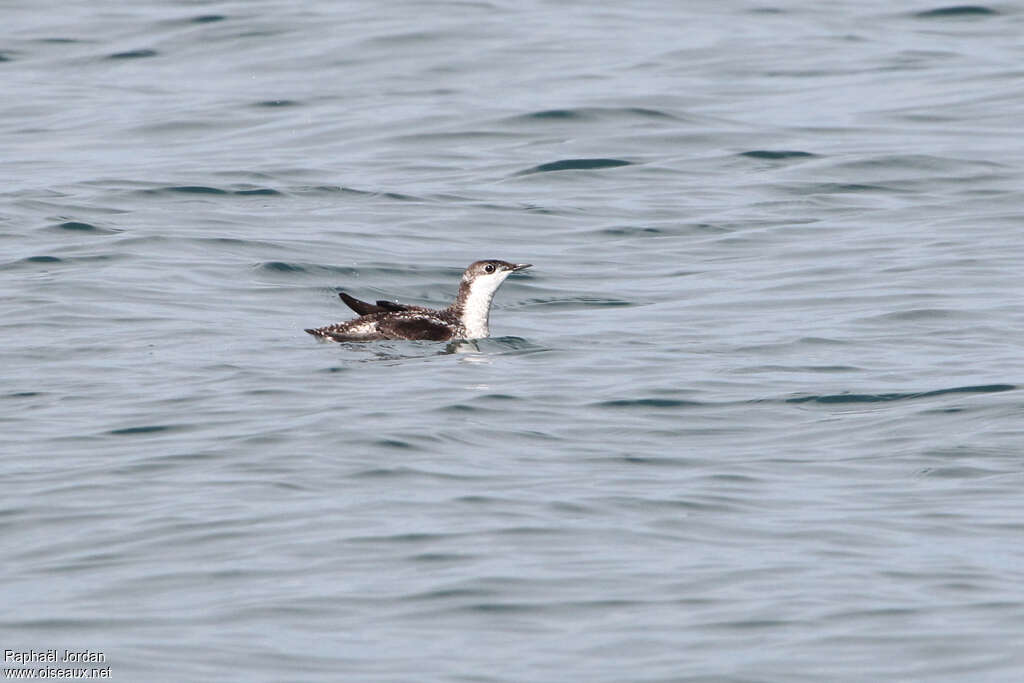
{"x":755,"y":414}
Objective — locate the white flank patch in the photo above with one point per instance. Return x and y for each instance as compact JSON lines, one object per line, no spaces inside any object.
{"x":362,"y":328}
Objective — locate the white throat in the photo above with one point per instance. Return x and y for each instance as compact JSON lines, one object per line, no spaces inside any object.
{"x":476,"y":311}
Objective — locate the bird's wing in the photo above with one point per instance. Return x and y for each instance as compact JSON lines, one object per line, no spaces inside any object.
{"x":365,"y":308}
{"x":415,"y":327}
{"x":386,"y":305}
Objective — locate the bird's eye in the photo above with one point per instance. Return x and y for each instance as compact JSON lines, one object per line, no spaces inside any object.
{"x":489,"y":268}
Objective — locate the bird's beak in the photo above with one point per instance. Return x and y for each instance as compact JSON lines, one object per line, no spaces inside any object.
{"x":520,"y":266}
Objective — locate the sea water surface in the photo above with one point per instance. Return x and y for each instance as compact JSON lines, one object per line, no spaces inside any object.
{"x":755,"y":414}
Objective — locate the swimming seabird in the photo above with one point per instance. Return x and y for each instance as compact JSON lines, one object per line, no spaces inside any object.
{"x":467,"y":318}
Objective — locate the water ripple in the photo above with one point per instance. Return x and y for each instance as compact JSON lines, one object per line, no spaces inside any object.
{"x":581,"y":114}
{"x":575,"y":165}
{"x":648,"y":403}
{"x":80,"y":226}
{"x":956,"y":11}
{"x":133,"y":54}
{"x":576,"y":302}
{"x":897,"y":396}
{"x":777,"y":154}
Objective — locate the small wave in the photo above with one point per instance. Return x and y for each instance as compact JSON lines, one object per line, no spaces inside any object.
{"x":78,"y":226}
{"x":928,"y":163}
{"x":956,"y":11}
{"x":575,"y":165}
{"x":631,"y":231}
{"x":133,"y":54}
{"x":46,"y":259}
{"x":555,"y":114}
{"x":806,"y":189}
{"x":922,"y":314}
{"x":777,"y":154}
{"x":411,"y":537}
{"x":405,"y":471}
{"x":499,"y":608}
{"x":898,"y":396}
{"x":282,"y":267}
{"x":276,"y":103}
{"x":146,"y":429}
{"x":361,"y":193}
{"x":438,"y":557}
{"x":822,"y":341}
{"x":500,"y":397}
{"x":648,"y":403}
{"x":385,"y":473}
{"x":800,"y":368}
{"x":464,"y":408}
{"x":399,"y":196}
{"x":197,"y":19}
{"x":411,"y":38}
{"x":235,"y":242}
{"x":195,"y":189}
{"x":205,"y":189}
{"x":338,"y":188}
{"x":650,"y":113}
{"x":447,"y":594}
{"x":394,"y":444}
{"x":958,"y":472}
{"x":579,"y":302}
{"x":590,"y":113}
{"x":675,"y":229}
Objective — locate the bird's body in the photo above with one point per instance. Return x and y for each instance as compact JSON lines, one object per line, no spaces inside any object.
{"x":467,"y":318}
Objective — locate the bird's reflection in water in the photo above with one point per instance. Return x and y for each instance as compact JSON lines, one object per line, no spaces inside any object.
{"x":462,"y":346}
{"x":400,"y":351}
{"x":471,"y":348}
{"x":468,"y":350}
